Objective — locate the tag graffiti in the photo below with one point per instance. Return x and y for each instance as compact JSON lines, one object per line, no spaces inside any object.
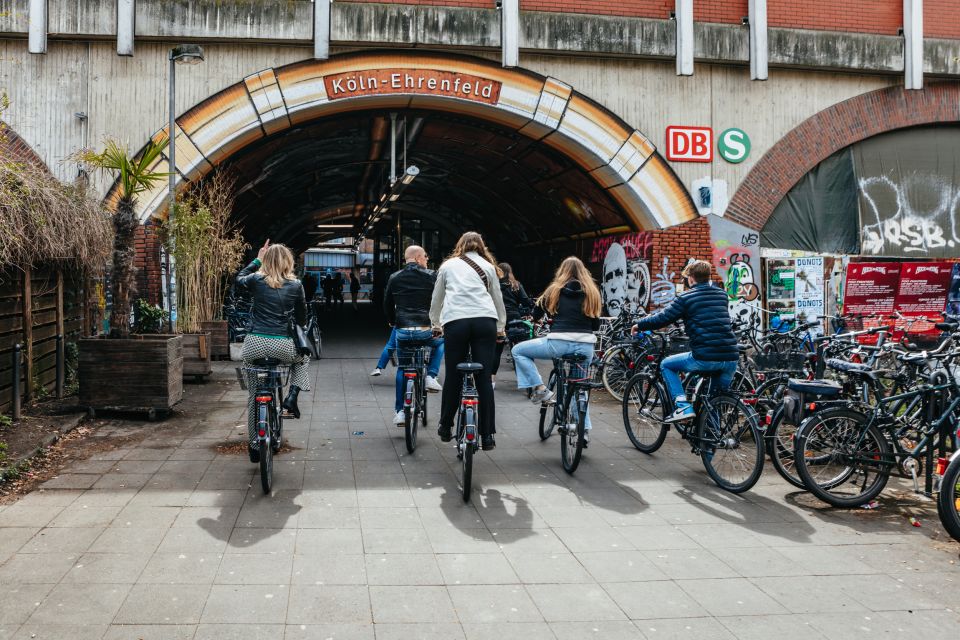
{"x":925,"y":218}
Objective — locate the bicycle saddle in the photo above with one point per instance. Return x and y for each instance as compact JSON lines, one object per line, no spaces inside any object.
{"x":820,"y":387}
{"x":267,"y":362}
{"x":469,"y":367}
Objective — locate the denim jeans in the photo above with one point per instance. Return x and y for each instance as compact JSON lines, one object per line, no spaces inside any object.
{"x":436,"y":356}
{"x":526,"y":352}
{"x":673,"y":365}
{"x":390,"y":347}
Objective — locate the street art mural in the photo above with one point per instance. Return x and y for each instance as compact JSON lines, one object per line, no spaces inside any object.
{"x":736,"y":258}
{"x":625,"y":274}
{"x":916,"y":216}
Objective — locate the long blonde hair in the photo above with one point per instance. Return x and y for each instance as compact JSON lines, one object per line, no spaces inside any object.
{"x":572,"y":269}
{"x":277,"y":266}
{"x":473,"y":241}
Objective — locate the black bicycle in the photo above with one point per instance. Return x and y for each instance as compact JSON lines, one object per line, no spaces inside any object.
{"x":269,"y":376}
{"x":468,"y":424}
{"x":412,"y":360}
{"x":572,"y":382}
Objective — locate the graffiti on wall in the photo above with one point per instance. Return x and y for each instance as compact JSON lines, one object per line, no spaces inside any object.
{"x":919,"y":215}
{"x":736,"y":258}
{"x":625,"y":278}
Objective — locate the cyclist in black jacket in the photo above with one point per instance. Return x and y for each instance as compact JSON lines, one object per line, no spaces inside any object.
{"x":703,"y":308}
{"x":516,"y":303}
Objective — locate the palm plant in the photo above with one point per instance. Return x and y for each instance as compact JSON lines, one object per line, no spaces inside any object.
{"x":134,"y":177}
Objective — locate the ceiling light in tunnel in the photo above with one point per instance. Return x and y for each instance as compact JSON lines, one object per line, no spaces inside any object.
{"x":412,"y":172}
{"x":394,"y":197}
{"x":334,"y":226}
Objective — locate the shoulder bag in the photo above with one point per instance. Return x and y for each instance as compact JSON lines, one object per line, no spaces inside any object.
{"x":301,"y":342}
{"x":476,"y":267}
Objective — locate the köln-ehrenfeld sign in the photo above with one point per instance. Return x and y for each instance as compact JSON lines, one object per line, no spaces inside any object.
{"x":373,"y":82}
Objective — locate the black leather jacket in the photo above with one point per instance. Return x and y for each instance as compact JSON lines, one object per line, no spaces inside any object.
{"x":406,"y":301}
{"x":272,"y":306}
{"x":515,"y":303}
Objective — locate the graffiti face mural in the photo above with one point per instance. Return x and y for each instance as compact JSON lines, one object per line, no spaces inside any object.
{"x":614,"y":283}
{"x":638,"y":285}
{"x":625,"y":278}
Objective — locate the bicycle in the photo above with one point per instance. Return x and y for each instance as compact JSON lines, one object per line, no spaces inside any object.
{"x":948,"y":499}
{"x":412,"y":361}
{"x":271,"y":376}
{"x":573,"y":383}
{"x":468,"y":424}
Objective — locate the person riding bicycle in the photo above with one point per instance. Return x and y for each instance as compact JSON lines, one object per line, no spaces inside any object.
{"x":516,"y":303}
{"x":468,"y":304}
{"x":573,"y":301}
{"x":703,"y":308}
{"x":406,"y":303}
{"x":277,"y":295}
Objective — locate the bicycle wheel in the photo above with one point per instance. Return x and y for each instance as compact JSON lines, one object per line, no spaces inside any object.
{"x":411,"y":418}
{"x":731,"y":443}
{"x":948,"y":501}
{"x":770,"y":393}
{"x":266,"y":416}
{"x":780,"y":439}
{"x":841,"y":458}
{"x":466,"y":478}
{"x":616,"y":371}
{"x":571,"y":442}
{"x":276,"y":435}
{"x":549,"y":410}
{"x":644,"y":410}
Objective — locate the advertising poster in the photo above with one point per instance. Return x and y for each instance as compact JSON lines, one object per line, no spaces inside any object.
{"x":871,"y":288}
{"x":781,"y":298}
{"x":923,"y":292}
{"x":808,"y":289}
{"x":953,"y":296}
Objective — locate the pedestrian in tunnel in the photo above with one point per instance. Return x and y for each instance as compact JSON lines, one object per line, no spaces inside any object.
{"x":516,"y":303}
{"x":467,"y":308}
{"x":338,"y":288}
{"x":573,"y":301}
{"x":277,"y":294}
{"x":406,"y":303}
{"x":354,"y":289}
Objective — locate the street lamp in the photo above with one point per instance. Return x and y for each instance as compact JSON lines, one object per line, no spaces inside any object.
{"x":191,"y":54}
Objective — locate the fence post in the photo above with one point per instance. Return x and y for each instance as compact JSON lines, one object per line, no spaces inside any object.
{"x":60,"y":365}
{"x":15,"y":372}
{"x":28,"y":331}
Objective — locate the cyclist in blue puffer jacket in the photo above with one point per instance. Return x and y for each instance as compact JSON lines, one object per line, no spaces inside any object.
{"x":704,"y":311}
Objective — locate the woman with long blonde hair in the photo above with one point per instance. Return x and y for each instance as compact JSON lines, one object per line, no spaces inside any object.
{"x":573,"y":300}
{"x":468,"y":305}
{"x":277,"y":294}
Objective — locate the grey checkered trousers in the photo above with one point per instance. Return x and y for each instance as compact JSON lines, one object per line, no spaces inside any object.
{"x":257,"y":347}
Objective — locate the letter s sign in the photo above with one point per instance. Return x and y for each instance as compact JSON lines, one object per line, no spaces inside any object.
{"x":734,"y":145}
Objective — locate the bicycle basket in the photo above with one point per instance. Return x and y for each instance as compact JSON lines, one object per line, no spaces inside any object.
{"x":677,"y":345}
{"x":793,"y":361}
{"x":410,"y":357}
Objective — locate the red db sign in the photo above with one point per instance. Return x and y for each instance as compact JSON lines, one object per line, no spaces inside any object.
{"x":690,"y":144}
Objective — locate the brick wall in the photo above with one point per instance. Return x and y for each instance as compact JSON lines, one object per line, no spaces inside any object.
{"x":14,"y":147}
{"x":147,"y":264}
{"x":941,"y":18}
{"x":678,"y":244}
{"x":861,"y":16}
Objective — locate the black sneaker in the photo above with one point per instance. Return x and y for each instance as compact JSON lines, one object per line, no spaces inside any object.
{"x":444,"y":433}
{"x":254,"y":454}
{"x":487,"y":443}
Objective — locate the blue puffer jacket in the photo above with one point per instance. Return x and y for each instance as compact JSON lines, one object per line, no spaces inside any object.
{"x":706,"y":320}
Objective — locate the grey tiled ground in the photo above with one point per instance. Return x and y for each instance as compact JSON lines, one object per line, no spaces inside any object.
{"x":169,"y":539}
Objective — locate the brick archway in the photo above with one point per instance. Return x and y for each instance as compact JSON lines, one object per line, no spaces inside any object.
{"x":827,"y":132}
{"x":15,"y":147}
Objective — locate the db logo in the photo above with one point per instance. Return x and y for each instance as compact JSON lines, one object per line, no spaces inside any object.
{"x":690,"y":144}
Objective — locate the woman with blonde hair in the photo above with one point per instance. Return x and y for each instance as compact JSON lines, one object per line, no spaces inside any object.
{"x":277,"y":294}
{"x":468,"y":305}
{"x":573,"y":301}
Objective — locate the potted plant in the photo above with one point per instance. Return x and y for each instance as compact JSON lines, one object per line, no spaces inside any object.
{"x":206,"y":249}
{"x":124,"y":372}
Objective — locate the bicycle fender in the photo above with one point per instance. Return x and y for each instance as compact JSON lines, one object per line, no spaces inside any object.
{"x":955,"y":456}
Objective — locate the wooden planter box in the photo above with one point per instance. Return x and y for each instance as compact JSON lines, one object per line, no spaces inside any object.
{"x":196,"y":355}
{"x":142,"y":374}
{"x":219,"y":339}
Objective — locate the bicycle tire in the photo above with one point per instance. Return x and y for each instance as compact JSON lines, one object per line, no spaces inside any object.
{"x":735,"y":435}
{"x":642,"y":419}
{"x":466,"y":479}
{"x":571,"y":443}
{"x":948,"y":500}
{"x":546,"y":427}
{"x":780,"y":440}
{"x":276,"y":436}
{"x":411,"y":416}
{"x":266,"y":452}
{"x":817,"y":447}
{"x":616,"y":371}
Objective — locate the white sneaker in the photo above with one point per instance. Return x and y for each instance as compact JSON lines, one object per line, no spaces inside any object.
{"x":432,"y":385}
{"x":543,"y":396}
{"x":376,"y":372}
{"x":399,"y":419}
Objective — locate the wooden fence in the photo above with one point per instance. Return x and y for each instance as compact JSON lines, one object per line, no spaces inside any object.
{"x":36,"y":305}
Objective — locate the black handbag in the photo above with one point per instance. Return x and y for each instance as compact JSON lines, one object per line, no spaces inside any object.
{"x":301,"y":342}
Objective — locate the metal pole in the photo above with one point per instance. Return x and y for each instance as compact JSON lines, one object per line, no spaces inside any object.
{"x":172,"y":157}
{"x":15,"y":369}
{"x":60,"y":365}
{"x":393,"y":148}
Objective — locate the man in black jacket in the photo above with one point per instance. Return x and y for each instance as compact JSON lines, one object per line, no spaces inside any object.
{"x":706,"y":321}
{"x":406,"y":302}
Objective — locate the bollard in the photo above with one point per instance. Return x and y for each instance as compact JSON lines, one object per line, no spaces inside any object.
{"x":61,"y":365}
{"x":15,"y":372}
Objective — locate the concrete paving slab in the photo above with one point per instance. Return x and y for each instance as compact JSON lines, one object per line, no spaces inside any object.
{"x":163,"y":604}
{"x":89,"y":604}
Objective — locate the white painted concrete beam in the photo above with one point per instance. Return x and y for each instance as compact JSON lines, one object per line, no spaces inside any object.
{"x":126,"y":26}
{"x":913,"y":44}
{"x":510,"y":32}
{"x":321,"y":29}
{"x":684,"y":20}
{"x":37,"y":29}
{"x":759,"y":51}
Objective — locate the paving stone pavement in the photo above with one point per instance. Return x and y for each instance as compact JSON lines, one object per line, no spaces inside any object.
{"x":169,"y":539}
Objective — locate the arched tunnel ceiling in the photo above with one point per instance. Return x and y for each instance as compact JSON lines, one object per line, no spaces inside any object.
{"x":473,"y":174}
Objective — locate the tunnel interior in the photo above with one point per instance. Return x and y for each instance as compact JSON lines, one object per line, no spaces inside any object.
{"x":520,"y":193}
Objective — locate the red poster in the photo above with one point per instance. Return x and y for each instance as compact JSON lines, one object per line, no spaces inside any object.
{"x":923,"y":292}
{"x":871,"y":287}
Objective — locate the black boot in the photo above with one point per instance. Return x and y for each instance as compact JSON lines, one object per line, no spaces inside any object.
{"x":487,"y":443}
{"x":290,"y":404}
{"x":444,"y":433}
{"x":254,"y":453}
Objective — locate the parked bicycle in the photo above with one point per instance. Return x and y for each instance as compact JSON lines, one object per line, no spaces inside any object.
{"x":270,"y":376}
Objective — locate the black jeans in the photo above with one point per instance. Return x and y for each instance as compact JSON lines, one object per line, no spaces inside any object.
{"x":497,"y":356}
{"x":479,"y":336}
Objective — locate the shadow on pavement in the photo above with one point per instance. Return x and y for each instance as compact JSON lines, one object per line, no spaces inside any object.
{"x":755,"y":514}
